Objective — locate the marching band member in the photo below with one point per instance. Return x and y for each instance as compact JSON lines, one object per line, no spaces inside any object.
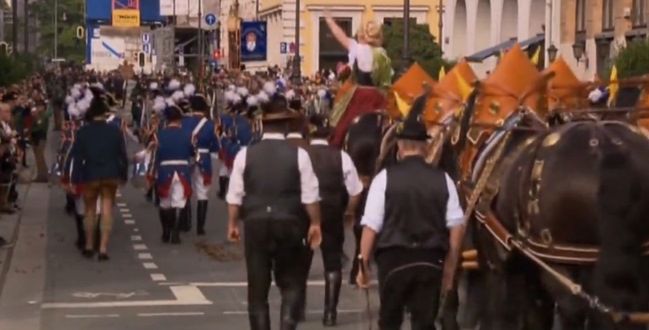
{"x":372,"y":72}
{"x":339,"y":182}
{"x":173,"y":172}
{"x":270,"y":198}
{"x":204,"y":138}
{"x":413,"y":222}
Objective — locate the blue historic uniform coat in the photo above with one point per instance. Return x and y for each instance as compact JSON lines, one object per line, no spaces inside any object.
{"x":205,"y":144}
{"x":173,"y":155}
{"x":237,"y":133}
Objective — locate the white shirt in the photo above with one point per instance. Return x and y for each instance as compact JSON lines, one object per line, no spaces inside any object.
{"x":374,"y":214}
{"x":310,"y":192}
{"x":362,"y":54}
{"x":353,"y":183}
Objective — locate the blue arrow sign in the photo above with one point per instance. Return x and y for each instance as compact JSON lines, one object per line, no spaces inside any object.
{"x":210,"y":19}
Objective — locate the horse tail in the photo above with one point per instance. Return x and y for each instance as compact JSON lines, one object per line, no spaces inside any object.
{"x":619,"y":270}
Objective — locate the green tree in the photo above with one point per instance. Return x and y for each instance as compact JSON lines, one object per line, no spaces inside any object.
{"x":15,"y":69}
{"x":633,"y":60}
{"x":70,"y":16}
{"x":423,"y":47}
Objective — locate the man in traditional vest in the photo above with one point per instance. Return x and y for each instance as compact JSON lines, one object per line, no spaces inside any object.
{"x":340,"y":191}
{"x":271,"y":184}
{"x":414,"y":224}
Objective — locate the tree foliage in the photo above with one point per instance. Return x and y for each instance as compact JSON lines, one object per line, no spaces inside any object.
{"x":70,"y":16}
{"x":423,"y":48}
{"x":15,"y":69}
{"x":633,"y":60}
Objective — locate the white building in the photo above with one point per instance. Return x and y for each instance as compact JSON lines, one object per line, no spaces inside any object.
{"x":474,"y":25}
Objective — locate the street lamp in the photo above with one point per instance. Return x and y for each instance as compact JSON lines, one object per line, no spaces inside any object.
{"x":552,"y":53}
{"x":406,"y":34}
{"x":578,"y":50}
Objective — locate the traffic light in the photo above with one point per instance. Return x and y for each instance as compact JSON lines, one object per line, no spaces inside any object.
{"x":141,"y":59}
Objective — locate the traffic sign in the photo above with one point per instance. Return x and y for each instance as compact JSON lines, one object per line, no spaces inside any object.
{"x":283,"y":48}
{"x":146,"y":48}
{"x":210,"y":19}
{"x":146,"y":38}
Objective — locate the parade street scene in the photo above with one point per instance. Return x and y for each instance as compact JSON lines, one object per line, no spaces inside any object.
{"x":312,"y":164}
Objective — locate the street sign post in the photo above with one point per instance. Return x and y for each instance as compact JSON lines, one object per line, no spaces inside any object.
{"x":210,"y":19}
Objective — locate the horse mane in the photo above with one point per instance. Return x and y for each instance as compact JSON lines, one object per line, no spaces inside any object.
{"x":465,"y":120}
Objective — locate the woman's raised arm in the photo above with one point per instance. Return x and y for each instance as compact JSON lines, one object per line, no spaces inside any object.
{"x":338,"y":32}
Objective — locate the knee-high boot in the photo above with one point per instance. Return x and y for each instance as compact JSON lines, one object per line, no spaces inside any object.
{"x":69,"y":204}
{"x":201,"y":216}
{"x":174,"y":224}
{"x":81,"y":232}
{"x":333,"y":281}
{"x":185,"y":218}
{"x":223,"y":186}
{"x":166,"y":228}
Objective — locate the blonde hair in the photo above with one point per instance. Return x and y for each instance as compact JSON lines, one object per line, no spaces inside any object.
{"x":371,"y":33}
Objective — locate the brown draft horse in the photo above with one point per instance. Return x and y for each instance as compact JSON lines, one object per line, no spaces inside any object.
{"x":579,"y":187}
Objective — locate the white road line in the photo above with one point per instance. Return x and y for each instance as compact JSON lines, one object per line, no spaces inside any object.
{"x":118,"y":194}
{"x":91,"y":316}
{"x":237,"y":284}
{"x":135,"y":230}
{"x":124,"y":210}
{"x":158,"y":277}
{"x":139,"y":247}
{"x":149,"y":265}
{"x":129,"y":222}
{"x":171,"y":314}
{"x":340,"y":311}
{"x":136,"y":238}
{"x":144,"y":256}
{"x":121,"y":204}
{"x":127,"y":216}
{"x":185,"y":296}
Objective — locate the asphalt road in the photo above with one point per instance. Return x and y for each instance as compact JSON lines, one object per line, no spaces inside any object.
{"x":199,"y":284}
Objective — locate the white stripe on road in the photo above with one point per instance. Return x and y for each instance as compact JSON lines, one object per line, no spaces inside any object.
{"x":91,"y":316}
{"x":238,"y":284}
{"x":136,"y":238}
{"x":127,"y":216}
{"x":171,"y":314}
{"x":144,"y":256}
{"x":129,"y":222}
{"x":340,"y":311}
{"x":139,"y":247}
{"x":185,"y":296}
{"x":150,"y":265}
{"x":158,"y":277}
{"x":135,"y":230}
{"x":124,"y":210}
{"x":121,"y":204}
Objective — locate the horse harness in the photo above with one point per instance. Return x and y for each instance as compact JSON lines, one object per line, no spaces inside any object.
{"x":541,"y":250}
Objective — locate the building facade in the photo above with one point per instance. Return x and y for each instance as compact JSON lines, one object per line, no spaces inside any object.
{"x":591,"y":32}
{"x":318,"y":49}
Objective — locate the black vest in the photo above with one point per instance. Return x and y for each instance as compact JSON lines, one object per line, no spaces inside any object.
{"x":328,"y":166}
{"x":415,"y":207}
{"x":272,"y":182}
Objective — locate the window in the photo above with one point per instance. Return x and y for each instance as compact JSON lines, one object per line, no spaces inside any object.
{"x":580,"y":21}
{"x":638,"y":13}
{"x":608,"y":22}
{"x":331,"y":52}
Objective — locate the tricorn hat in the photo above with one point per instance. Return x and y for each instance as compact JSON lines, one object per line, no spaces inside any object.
{"x":413,"y":127}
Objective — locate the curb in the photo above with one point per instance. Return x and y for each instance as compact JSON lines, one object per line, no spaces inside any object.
{"x":7,"y":251}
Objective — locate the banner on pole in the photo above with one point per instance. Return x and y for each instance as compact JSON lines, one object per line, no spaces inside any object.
{"x":126,"y":13}
{"x":253,"y":41}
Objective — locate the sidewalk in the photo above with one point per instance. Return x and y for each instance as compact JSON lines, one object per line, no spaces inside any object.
{"x":22,"y":260}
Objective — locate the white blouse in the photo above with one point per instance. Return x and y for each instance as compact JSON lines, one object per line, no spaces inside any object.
{"x":361,"y":54}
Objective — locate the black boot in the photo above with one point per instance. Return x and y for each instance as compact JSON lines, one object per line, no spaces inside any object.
{"x":201,"y":216}
{"x":164,"y":222}
{"x":186,"y":218}
{"x":333,"y":281}
{"x":288,"y":317}
{"x":70,"y":207}
{"x":81,"y":232}
{"x":174,"y":224}
{"x":223,"y":186}
{"x":259,"y":319}
{"x":98,"y":233}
